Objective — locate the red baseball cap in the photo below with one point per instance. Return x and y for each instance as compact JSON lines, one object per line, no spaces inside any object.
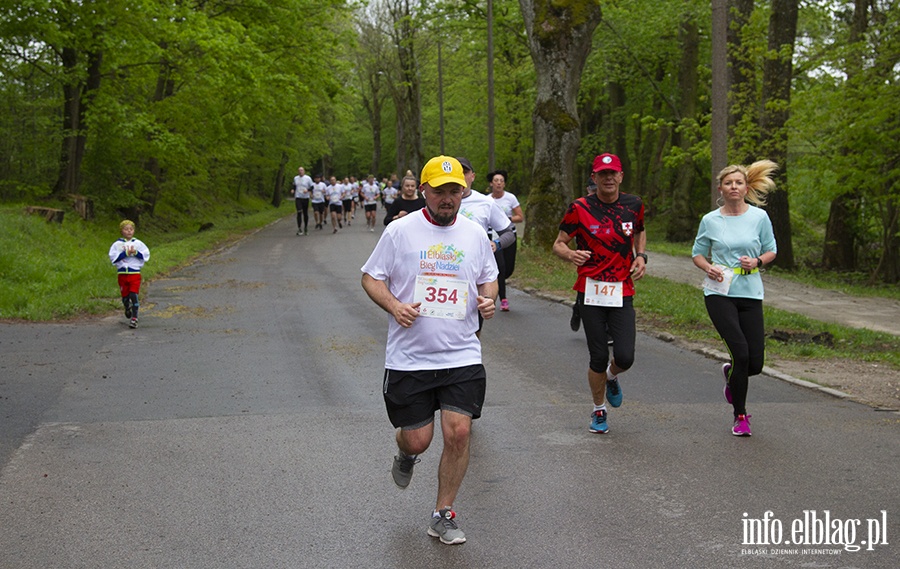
{"x":607,"y":161}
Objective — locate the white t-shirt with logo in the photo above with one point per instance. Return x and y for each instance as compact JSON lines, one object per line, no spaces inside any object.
{"x":302,"y":185}
{"x":318,"y":192}
{"x":412,"y":254}
{"x":334,"y":194}
{"x":370,"y":194}
{"x":507,"y":203}
{"x":484,"y":211}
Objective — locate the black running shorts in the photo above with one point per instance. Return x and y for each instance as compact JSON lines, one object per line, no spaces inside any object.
{"x":412,"y":397}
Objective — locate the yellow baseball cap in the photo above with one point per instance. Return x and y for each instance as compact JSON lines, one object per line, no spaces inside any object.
{"x":442,"y":170}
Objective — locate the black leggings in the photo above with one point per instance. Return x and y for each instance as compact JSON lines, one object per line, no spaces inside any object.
{"x":619,"y":323}
{"x":740,"y":323}
{"x":302,"y":212}
{"x":506,"y":264}
{"x":132,"y":300}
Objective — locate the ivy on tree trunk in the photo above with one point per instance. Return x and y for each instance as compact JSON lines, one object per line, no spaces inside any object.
{"x":559,"y":38}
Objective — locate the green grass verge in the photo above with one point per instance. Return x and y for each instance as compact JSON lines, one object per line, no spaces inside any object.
{"x":854,"y":284}
{"x":55,"y":271}
{"x":679,"y":309}
{"x":50,"y":271}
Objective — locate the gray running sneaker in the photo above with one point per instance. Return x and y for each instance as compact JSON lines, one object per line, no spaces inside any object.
{"x":445,"y":528}
{"x":402,"y":470}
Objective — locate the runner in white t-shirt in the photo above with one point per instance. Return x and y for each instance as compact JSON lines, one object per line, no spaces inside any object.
{"x":355,"y":186}
{"x":347,"y":192}
{"x":335,"y":192}
{"x":433,"y":271}
{"x":317,"y":199}
{"x":506,"y":259}
{"x":369,"y":193}
{"x":485,"y":212}
{"x":300,"y":190}
{"x":388,"y":195}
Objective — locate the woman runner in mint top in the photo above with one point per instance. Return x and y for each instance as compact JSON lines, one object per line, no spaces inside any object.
{"x":733,"y":243}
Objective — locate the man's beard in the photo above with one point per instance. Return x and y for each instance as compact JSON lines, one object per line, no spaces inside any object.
{"x":442,"y":219}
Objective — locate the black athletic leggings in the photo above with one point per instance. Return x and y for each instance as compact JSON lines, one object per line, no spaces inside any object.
{"x":740,"y":323}
{"x":132,"y":300}
{"x":506,"y":264}
{"x":302,"y":212}
{"x":619,"y":323}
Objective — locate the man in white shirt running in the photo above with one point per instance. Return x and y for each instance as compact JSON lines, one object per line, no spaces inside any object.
{"x":318,"y":200}
{"x":302,"y":186}
{"x":433,"y":271}
{"x":370,"y":193}
{"x":335,"y":192}
{"x":484,"y":211}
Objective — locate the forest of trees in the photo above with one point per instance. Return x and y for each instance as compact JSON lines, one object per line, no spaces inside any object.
{"x":156,"y":108}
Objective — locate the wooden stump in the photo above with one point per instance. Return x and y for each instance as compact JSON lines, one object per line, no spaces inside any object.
{"x":83,"y":205}
{"x":48,"y":213}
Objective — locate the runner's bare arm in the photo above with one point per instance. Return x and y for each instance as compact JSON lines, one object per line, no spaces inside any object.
{"x":487,"y":292}
{"x":561,"y":250}
{"x":404,"y":313}
{"x":639,"y":266}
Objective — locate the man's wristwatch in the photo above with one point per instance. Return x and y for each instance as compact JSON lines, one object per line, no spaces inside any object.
{"x":644,"y":255}
{"x":759,"y":263}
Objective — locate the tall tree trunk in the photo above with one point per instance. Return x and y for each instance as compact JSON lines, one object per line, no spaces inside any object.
{"x":839,"y":249}
{"x":407,"y":92}
{"x":741,"y":84}
{"x":682,"y":223}
{"x":841,"y":234}
{"x":375,"y":118}
{"x":278,"y":187}
{"x":165,"y":87}
{"x":777,"y":73}
{"x":559,"y":38}
{"x":650,"y":146}
{"x":76,"y":99}
{"x":617,"y":119}
{"x":889,"y":262}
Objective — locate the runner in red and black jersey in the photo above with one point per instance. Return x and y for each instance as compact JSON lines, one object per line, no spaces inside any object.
{"x":608,"y":228}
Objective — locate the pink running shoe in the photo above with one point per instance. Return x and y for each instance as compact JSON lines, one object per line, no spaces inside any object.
{"x":741,"y":426}
{"x":504,"y":305}
{"x":727,"y":391}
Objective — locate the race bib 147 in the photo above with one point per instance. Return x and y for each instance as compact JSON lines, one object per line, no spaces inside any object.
{"x":599,"y":293}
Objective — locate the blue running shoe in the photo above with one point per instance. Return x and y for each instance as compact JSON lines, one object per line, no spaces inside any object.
{"x":598,"y":422}
{"x":613,"y":392}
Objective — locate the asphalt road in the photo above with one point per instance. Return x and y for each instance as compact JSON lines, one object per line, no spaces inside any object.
{"x":242,"y":426}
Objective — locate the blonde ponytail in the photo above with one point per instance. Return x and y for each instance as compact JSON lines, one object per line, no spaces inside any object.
{"x":758,"y":177}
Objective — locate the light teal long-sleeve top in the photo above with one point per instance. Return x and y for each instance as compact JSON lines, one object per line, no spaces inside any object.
{"x":727,"y":238}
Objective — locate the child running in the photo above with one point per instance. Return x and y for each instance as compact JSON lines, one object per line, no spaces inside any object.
{"x":129,"y":255}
